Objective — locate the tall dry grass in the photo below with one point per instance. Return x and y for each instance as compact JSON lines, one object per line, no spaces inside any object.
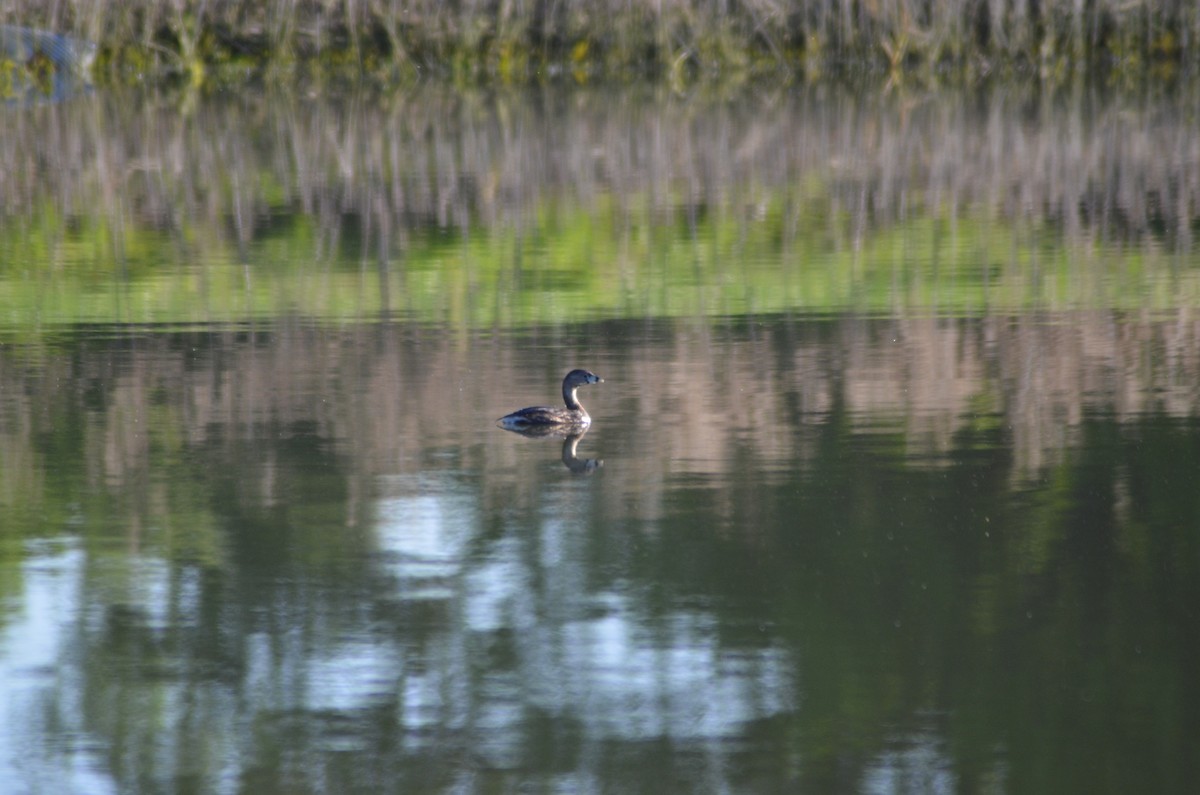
{"x":512,"y":38}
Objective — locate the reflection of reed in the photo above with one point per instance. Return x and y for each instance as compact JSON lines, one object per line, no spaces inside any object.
{"x":1109,"y":168}
{"x":381,"y":399}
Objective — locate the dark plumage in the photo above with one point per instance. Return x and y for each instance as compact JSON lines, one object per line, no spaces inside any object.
{"x":573,"y":415}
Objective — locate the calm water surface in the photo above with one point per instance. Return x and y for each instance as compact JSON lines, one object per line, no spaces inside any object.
{"x":868,"y":522}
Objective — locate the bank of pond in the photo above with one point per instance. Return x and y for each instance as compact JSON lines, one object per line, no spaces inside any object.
{"x":681,"y":43}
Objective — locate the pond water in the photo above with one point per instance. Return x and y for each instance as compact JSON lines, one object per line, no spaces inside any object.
{"x":890,"y":485}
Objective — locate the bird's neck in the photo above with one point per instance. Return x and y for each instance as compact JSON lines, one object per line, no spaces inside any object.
{"x":571,"y":400}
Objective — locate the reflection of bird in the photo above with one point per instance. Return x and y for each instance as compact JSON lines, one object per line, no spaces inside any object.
{"x":570,"y":434}
{"x":580,"y":466}
{"x":573,"y":416}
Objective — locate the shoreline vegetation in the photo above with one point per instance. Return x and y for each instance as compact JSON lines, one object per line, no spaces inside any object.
{"x":680,"y":41}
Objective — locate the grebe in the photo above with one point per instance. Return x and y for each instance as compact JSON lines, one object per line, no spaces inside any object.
{"x":574,"y":414}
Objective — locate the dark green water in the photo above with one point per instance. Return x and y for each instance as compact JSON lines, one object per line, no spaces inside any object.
{"x":899,"y":452}
{"x":239,"y":562}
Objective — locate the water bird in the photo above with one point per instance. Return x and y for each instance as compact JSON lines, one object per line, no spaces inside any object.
{"x":574,"y":415}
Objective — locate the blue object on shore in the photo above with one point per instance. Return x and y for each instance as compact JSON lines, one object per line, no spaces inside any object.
{"x":43,"y":65}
